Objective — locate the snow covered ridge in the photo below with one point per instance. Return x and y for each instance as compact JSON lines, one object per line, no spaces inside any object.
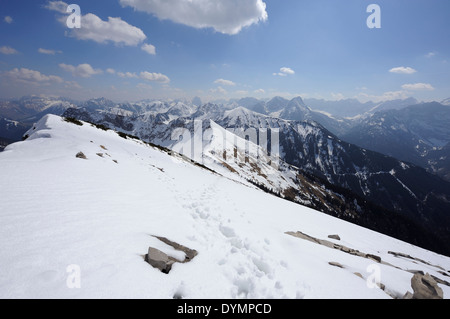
{"x":79,"y":228}
{"x":422,"y":205}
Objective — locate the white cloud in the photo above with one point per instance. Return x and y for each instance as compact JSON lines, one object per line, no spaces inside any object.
{"x":418,"y":87}
{"x":154,"y":77}
{"x":95,"y":29}
{"x":8,"y":50}
{"x":259,"y":91}
{"x":114,"y":30}
{"x":148,"y":76}
{"x":31,"y":76}
{"x":430,"y":54}
{"x":8,"y":19}
{"x":402,"y":70}
{"x":83,"y":70}
{"x":225,"y":16}
{"x":58,"y":6}
{"x":128,"y":75}
{"x":285,"y":72}
{"x":219,"y":90}
{"x":150,"y":49}
{"x":225,"y":82}
{"x":49,"y":52}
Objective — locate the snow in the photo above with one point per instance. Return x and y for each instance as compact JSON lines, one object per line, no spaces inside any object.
{"x":58,"y":211}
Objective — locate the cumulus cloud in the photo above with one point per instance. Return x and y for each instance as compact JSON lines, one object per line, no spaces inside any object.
{"x":127,"y":75}
{"x":93,"y":28}
{"x":31,"y":76}
{"x":114,"y":30}
{"x":259,"y":91}
{"x":83,"y":70}
{"x":285,"y":72}
{"x":418,"y":87}
{"x":8,"y":19}
{"x":224,"y":82}
{"x":150,"y":49}
{"x":224,"y":16}
{"x":58,"y":6}
{"x":154,"y":77}
{"x":148,"y":76}
{"x":218,"y":90}
{"x":402,"y":70}
{"x":8,"y":50}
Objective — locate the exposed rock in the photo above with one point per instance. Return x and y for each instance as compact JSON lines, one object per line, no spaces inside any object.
{"x":358,"y":274}
{"x":425,"y":287}
{"x":329,"y":244}
{"x":159,"y":260}
{"x":190,"y":253}
{"x":374,"y":257}
{"x":336,"y":264}
{"x":81,"y":155}
{"x":408,"y":295}
{"x":162,"y":261}
{"x":334,"y":237}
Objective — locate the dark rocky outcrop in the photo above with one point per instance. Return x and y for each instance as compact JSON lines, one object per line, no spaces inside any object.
{"x":81,"y":155}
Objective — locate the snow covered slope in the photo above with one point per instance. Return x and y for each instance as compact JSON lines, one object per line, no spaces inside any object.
{"x":100,"y":214}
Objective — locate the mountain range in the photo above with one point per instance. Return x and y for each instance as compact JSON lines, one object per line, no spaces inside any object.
{"x":306,"y":148}
{"x":354,"y":159}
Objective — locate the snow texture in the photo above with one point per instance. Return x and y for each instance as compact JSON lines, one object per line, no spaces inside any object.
{"x":100,"y":214}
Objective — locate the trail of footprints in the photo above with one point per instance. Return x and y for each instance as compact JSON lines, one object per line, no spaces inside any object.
{"x":242,"y":258}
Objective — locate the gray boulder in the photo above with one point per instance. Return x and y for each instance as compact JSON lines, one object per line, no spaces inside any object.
{"x":162,"y":261}
{"x":425,"y":287}
{"x":159,"y":260}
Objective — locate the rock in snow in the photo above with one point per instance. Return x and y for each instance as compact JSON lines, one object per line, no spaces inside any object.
{"x":160,"y":260}
{"x":425,"y":287}
{"x":163,"y":262}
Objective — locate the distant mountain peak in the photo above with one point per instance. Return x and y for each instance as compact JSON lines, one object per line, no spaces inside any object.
{"x":446,"y":102}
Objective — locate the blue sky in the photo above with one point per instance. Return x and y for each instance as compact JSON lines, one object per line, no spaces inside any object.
{"x":226,"y":49}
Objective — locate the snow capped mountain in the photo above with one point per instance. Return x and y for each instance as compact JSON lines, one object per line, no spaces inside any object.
{"x":446,"y":102}
{"x":28,"y":108}
{"x":17,"y":116}
{"x":403,"y":189}
{"x":95,"y":202}
{"x":417,"y":134}
{"x":392,"y":105}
